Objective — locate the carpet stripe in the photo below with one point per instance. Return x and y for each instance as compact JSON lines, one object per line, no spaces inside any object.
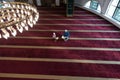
{"x":109,"y":31}
{"x":73,"y":54}
{"x":71,"y":19}
{"x":53,"y":14}
{"x":61,"y":43}
{"x":94,"y":25}
{"x":57,"y":11}
{"x":31,"y":37}
{"x":75,"y":17}
{"x":60,"y":60}
{"x":38,"y":76}
{"x":6,"y":78}
{"x":72,"y":38}
{"x":75,"y":27}
{"x":73,"y":22}
{"x":78,"y":27}
{"x":98,"y":39}
{"x":63,"y":48}
{"x":63,"y":12}
{"x":74,"y":34}
{"x":47,"y":68}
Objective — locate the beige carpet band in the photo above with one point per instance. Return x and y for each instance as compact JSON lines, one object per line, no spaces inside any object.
{"x":52,"y":30}
{"x":93,"y":25}
{"x":71,"y":38}
{"x":60,"y":60}
{"x":69,"y":19}
{"x":38,"y":76}
{"x":60,"y":48}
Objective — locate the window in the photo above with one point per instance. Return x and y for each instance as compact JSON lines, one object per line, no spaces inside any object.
{"x":94,"y":4}
{"x":116,"y":14}
{"x":111,"y":8}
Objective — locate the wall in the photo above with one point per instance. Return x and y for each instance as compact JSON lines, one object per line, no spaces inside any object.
{"x":11,"y":0}
{"x":104,"y":4}
{"x":39,"y":3}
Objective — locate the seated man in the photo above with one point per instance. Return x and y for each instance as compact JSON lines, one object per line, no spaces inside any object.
{"x":66,"y":35}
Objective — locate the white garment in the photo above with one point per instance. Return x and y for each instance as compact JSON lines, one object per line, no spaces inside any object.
{"x":54,"y":36}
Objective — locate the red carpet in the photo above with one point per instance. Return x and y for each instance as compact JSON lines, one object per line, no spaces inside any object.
{"x":92,"y":53}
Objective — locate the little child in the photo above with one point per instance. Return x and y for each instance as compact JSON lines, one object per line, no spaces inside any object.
{"x":54,"y":36}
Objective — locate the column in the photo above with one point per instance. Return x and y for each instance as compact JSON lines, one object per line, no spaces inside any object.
{"x":65,"y":1}
{"x":57,"y":2}
{"x":39,"y":3}
{"x":70,"y":8}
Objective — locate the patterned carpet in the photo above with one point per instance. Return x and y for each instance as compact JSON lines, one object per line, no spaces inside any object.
{"x":91,"y":53}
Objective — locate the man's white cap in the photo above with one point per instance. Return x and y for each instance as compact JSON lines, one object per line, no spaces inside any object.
{"x":66,"y":30}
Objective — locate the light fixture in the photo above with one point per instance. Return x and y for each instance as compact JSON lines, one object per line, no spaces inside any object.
{"x":16,"y":17}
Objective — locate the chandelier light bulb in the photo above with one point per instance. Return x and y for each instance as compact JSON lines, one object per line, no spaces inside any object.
{"x":13,"y":32}
{"x":14,"y":15}
{"x":26,"y":27}
{"x":7,"y":11}
{"x":12,"y":10}
{"x":19,"y":28}
{"x":23,"y":16}
{"x":31,"y":18}
{"x":28,"y":13}
{"x":26,"y":7}
{"x":17,"y":10}
{"x":34,"y":22}
{"x":18,"y":6}
{"x":1,"y":20}
{"x":9,"y":17}
{"x":13,"y":6}
{"x":0,"y":36}
{"x":30,"y":24}
{"x":8,"y":28}
{"x":5,"y":33}
{"x":22,"y":24}
{"x":19,"y":15}
{"x":25,"y":12}
{"x":22,"y":6}
{"x":22,"y":12}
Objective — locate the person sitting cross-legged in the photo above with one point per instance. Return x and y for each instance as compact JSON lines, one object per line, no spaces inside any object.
{"x":65,"y":35}
{"x":55,"y":37}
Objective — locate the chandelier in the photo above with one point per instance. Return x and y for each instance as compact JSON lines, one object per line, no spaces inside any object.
{"x":16,"y":17}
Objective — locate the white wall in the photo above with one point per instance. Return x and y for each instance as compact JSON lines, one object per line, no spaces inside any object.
{"x":104,"y":4}
{"x":38,"y":2}
{"x":57,"y":2}
{"x":11,"y":0}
